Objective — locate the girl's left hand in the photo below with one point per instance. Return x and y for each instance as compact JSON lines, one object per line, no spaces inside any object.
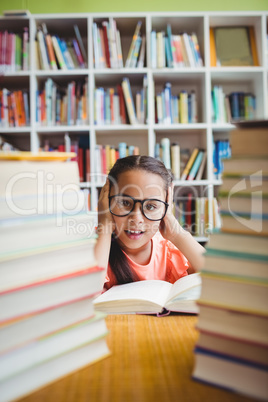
{"x":169,"y":226}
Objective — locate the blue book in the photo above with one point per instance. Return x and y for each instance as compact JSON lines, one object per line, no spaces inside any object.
{"x":234,"y":101}
{"x":122,"y":148}
{"x":169,"y":45}
{"x":168,"y":53}
{"x":196,"y":165}
{"x":167,"y":94}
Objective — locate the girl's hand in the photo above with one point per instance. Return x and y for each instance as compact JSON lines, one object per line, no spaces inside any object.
{"x":169,"y":226}
{"x":105,"y":219}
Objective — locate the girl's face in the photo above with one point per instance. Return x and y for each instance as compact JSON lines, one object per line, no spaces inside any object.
{"x":134,"y":231}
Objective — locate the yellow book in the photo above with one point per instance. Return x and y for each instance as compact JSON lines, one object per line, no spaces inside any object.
{"x":183,"y":107}
{"x":213,"y":57}
{"x":189,"y":164}
{"x":112,"y":156}
{"x":253,"y":46}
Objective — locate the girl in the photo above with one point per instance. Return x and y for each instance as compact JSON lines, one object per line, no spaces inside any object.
{"x":138,"y":236}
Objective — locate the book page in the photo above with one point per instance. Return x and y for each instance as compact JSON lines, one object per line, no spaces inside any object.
{"x":183,"y":285}
{"x":155,"y":291}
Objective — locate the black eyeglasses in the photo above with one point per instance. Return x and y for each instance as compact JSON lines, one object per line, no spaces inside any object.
{"x":152,"y":209}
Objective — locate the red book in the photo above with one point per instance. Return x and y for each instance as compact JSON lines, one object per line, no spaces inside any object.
{"x":87,"y":164}
{"x":121,"y":104}
{"x":61,"y":148}
{"x":106,"y":44}
{"x":14,"y":108}
{"x":104,"y":168}
{"x":4,"y":47}
{"x":78,"y":53}
{"x":1,"y":45}
{"x":81,"y":164}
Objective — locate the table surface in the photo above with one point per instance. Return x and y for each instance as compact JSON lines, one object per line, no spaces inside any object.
{"x":151,"y":359}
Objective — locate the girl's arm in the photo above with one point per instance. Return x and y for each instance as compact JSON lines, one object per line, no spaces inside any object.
{"x":183,"y":240}
{"x":105,"y":228}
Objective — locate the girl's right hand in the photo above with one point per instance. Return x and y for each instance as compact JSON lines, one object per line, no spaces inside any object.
{"x":105,"y":219}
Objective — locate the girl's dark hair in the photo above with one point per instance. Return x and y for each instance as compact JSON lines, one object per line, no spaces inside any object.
{"x":117,"y":259}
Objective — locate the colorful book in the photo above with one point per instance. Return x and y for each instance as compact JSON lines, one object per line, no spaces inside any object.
{"x":189,"y":164}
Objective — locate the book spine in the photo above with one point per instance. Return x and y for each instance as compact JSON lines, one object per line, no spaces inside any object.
{"x":165,"y":145}
{"x":129,"y":101}
{"x":195,"y":166}
{"x":189,"y":164}
{"x":132,"y":46}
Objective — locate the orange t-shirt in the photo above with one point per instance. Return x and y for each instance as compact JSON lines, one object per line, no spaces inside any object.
{"x":167,"y":263}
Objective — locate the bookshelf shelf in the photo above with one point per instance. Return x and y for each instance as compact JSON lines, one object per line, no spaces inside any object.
{"x":201,"y":79}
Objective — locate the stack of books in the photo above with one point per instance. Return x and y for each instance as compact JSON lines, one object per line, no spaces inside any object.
{"x":48,"y":275}
{"x":232,"y":349}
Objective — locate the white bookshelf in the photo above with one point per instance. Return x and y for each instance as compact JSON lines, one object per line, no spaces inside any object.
{"x":201,"y":79}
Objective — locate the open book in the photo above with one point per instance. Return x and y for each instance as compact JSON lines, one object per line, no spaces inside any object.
{"x":152,"y":296}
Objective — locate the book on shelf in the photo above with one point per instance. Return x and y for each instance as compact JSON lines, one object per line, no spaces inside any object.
{"x":234,"y":46}
{"x":133,"y":51}
{"x":130,"y":106}
{"x":67,"y":105}
{"x":107,"y":44}
{"x":80,"y":43}
{"x":189,"y":164}
{"x":201,"y":169}
{"x":152,"y":296}
{"x":196,"y":165}
{"x":175,"y":160}
{"x":221,"y":154}
{"x":14,"y":108}
{"x":192,"y":214}
{"x":55,"y":331}
{"x":174,"y":50}
{"x":14,"y":50}
{"x":56,"y":53}
{"x":171,"y":109}
{"x":227,"y":108}
{"x":233,"y":318}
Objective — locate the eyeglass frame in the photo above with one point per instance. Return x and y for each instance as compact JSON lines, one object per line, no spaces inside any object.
{"x":135,"y":200}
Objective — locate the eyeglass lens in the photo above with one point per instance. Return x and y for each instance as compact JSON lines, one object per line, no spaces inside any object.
{"x":123,"y":205}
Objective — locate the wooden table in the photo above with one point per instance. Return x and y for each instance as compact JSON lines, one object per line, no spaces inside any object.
{"x":151,"y":360}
